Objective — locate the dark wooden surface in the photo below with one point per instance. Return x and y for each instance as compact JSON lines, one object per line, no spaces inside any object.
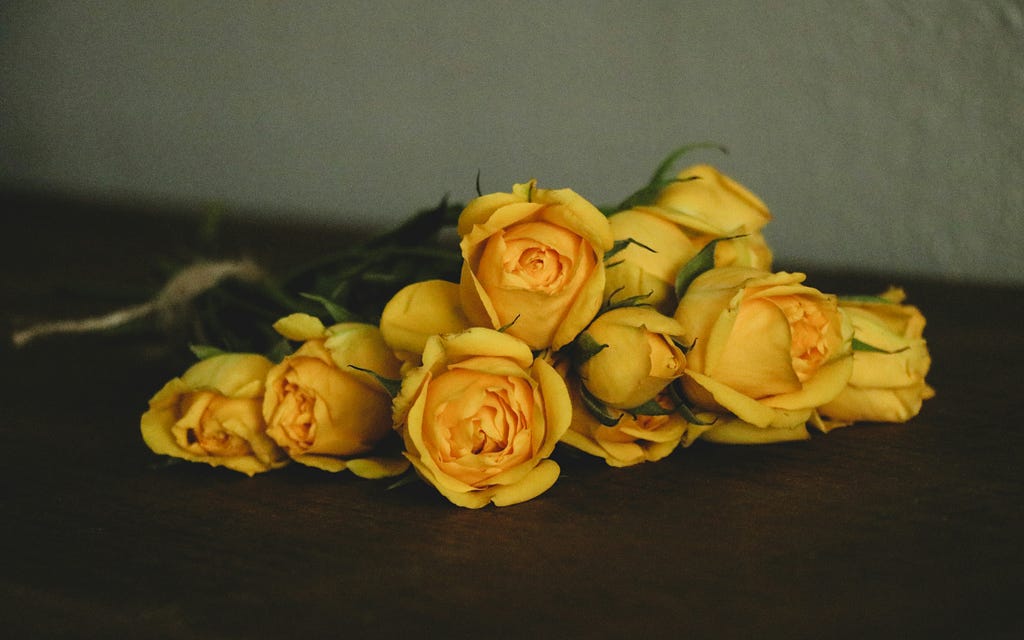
{"x":911,"y":530}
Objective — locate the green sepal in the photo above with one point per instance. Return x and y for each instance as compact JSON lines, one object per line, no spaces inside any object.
{"x":698,"y":264}
{"x":620,"y":245}
{"x":391,"y":385}
{"x":204,"y":351}
{"x":685,"y":348}
{"x":650,"y":408}
{"x":632,"y":301}
{"x":863,"y":346}
{"x":691,"y":417}
{"x":675,"y":394}
{"x":598,"y":409}
{"x":659,"y":180}
{"x":337,"y":312}
{"x":504,"y":328}
{"x":584,"y":347}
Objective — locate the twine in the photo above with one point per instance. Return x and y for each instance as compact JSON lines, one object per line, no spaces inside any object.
{"x":188,"y":284}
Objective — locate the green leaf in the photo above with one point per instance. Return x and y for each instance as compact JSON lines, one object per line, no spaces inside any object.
{"x":863,"y":346}
{"x":391,"y":385}
{"x":204,"y":351}
{"x":598,"y":409}
{"x":698,"y":264}
{"x":281,"y":350}
{"x":406,"y":478}
{"x":337,"y":312}
{"x":424,"y":224}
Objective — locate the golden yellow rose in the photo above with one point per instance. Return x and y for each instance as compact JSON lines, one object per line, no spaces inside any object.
{"x":634,"y":439}
{"x":481,"y":417}
{"x":419,"y":311}
{"x":888,"y":380}
{"x":650,"y":271}
{"x":637,"y":357}
{"x":323,"y":411}
{"x":766,"y":348}
{"x":533,"y":263}
{"x":212,"y":414}
{"x":703,"y":197}
{"x":703,"y":205}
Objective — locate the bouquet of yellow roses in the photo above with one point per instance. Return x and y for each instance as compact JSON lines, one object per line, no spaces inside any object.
{"x":624,"y":334}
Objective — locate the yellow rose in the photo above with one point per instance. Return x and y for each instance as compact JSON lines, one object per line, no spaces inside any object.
{"x":636,"y":270}
{"x":703,"y":196}
{"x":319,"y":408}
{"x":766,"y":348}
{"x":631,"y":441}
{"x":688,"y":214}
{"x":212,"y":414}
{"x":481,"y":417}
{"x":637,"y":356}
{"x":887,"y":385}
{"x":533,"y":263}
{"x":419,"y":311}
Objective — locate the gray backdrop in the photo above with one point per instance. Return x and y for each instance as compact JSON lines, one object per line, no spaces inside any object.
{"x":883,"y":135}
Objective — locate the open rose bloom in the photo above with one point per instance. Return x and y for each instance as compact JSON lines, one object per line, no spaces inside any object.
{"x":767,"y":350}
{"x":533,"y":263}
{"x":481,"y":417}
{"x":212,"y":414}
{"x":322,"y":409}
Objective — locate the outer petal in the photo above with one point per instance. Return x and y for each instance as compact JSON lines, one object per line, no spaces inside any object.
{"x":730,"y":430}
{"x":539,"y":480}
{"x":419,"y":311}
{"x":300,"y":327}
{"x":711,"y":394}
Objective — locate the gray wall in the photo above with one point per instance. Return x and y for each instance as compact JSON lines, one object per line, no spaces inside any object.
{"x":883,"y":135}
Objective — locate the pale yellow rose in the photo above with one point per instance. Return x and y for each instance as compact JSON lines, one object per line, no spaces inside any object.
{"x":533,"y":263}
{"x":887,"y":385}
{"x":634,"y":439}
{"x":212,"y":414}
{"x":637,"y":357}
{"x":704,"y":196}
{"x":481,"y":417}
{"x":322,"y":411}
{"x":419,"y":311}
{"x":767,"y":349}
{"x":649,"y":270}
{"x":702,"y":206}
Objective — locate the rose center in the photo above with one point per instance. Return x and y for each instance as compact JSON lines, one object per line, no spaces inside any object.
{"x":201,"y":430}
{"x":479,"y":423}
{"x":808,"y":328}
{"x":297,"y":411}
